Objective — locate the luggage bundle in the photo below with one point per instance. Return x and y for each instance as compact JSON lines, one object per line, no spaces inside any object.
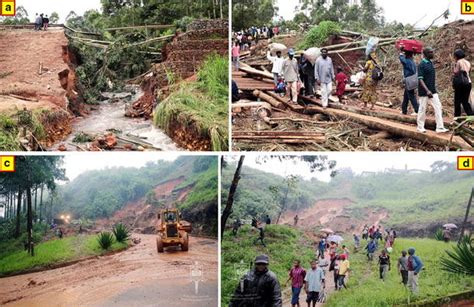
{"x":410,"y":45}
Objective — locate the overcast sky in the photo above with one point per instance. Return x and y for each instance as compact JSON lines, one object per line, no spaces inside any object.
{"x":405,"y":11}
{"x":357,"y":161}
{"x":62,"y":7}
{"x":77,"y":163}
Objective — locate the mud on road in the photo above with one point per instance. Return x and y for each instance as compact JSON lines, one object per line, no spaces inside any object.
{"x":138,"y":276}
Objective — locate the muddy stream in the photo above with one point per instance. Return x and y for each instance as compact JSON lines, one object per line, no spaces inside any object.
{"x":109,"y":115}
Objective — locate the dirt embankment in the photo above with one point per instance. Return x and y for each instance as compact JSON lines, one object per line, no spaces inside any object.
{"x":138,"y":276}
{"x":37,"y":74}
{"x":335,"y":214}
{"x":141,"y":217}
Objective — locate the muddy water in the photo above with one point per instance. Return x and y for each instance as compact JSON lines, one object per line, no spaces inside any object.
{"x":109,"y":114}
{"x":138,"y":276}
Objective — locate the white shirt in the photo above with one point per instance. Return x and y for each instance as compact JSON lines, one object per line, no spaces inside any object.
{"x":277,"y":63}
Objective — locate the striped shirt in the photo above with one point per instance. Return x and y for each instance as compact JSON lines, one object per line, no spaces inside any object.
{"x":427,"y":73}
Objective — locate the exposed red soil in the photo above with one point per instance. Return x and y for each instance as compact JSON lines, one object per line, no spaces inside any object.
{"x":165,"y":189}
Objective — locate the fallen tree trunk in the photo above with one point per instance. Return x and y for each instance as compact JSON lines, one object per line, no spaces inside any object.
{"x":394,"y":128}
{"x":274,"y":102}
{"x":430,"y":123}
{"x":256,"y":72}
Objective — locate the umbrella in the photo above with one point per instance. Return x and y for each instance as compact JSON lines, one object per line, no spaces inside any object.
{"x":450,"y":226}
{"x":327,"y":230}
{"x":335,"y":238}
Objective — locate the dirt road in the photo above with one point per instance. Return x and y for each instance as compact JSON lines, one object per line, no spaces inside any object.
{"x":136,"y":277}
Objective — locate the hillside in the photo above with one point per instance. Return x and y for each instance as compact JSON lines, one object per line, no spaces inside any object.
{"x":415,"y":202}
{"x":134,"y":195}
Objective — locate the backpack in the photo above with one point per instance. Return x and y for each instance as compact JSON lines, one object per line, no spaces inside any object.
{"x":460,"y":79}
{"x":377,"y":73}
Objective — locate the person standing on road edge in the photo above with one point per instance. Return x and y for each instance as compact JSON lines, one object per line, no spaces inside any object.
{"x":414,"y":268}
{"x":236,"y":55}
{"x":296,"y":275}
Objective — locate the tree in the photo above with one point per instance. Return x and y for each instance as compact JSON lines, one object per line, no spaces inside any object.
{"x":290,"y":182}
{"x":468,"y":208}
{"x":54,"y":17}
{"x":248,"y":13}
{"x":230,"y":199}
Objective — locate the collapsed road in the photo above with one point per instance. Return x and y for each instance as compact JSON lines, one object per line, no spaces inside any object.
{"x":138,"y":276}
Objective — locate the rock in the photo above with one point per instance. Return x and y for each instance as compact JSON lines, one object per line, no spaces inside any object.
{"x":140,"y":148}
{"x":62,"y":147}
{"x":110,"y":141}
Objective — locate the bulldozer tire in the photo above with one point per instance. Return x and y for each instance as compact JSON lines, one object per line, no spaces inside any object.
{"x":185,"y":245}
{"x":159,"y":244}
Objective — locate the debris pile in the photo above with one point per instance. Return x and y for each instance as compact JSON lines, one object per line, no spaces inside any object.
{"x":345,"y":125}
{"x":181,"y":59}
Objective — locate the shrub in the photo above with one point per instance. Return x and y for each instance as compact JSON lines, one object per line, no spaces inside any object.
{"x":121,"y":233}
{"x":318,"y":35}
{"x":105,"y":240}
{"x":460,"y":259}
{"x":438,"y":235}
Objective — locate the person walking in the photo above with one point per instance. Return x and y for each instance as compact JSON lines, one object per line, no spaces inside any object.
{"x":258,"y":288}
{"x":462,"y":84}
{"x":261,"y":236}
{"x":344,"y":268}
{"x":38,"y":22}
{"x":268,"y":220}
{"x":356,"y":241}
{"x":415,"y":265}
{"x":369,"y":92}
{"x":341,"y":81}
{"x":365,"y":232}
{"x":236,"y":226}
{"x":384,"y":264}
{"x":427,"y":92}
{"x":410,"y":80}
{"x":296,"y":219}
{"x":236,"y":55}
{"x":314,"y":283}
{"x":291,"y":74}
{"x":277,"y":65}
{"x":402,"y":266}
{"x":296,"y":275}
{"x":371,"y":248}
{"x":321,"y":247}
{"x":307,"y":69}
{"x":324,"y":75}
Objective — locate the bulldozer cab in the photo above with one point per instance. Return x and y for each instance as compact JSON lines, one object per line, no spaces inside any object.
{"x":172,"y":232}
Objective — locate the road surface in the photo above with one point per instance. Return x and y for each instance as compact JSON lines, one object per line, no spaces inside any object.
{"x":138,"y":276}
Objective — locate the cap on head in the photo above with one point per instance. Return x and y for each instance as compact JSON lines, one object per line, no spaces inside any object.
{"x":459,"y":54}
{"x":261,"y":259}
{"x":342,"y":257}
{"x":411,"y":251}
{"x":291,"y":52}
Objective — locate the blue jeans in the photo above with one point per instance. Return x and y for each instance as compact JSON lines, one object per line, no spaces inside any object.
{"x":409,"y":96}
{"x":295,"y":295}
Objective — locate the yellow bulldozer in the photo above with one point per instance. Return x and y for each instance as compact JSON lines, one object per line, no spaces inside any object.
{"x":172,"y":231}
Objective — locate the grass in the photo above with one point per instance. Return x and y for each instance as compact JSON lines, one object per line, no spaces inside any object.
{"x":202,"y":104}
{"x":54,"y":252}
{"x":366,"y":289}
{"x":8,"y":134}
{"x":284,"y":244}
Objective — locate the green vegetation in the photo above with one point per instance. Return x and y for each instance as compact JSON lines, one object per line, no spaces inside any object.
{"x":121,"y":233}
{"x":248,"y":13}
{"x":200,"y":106}
{"x":8,"y":134}
{"x":118,"y":55}
{"x":461,"y":259}
{"x":105,"y":240}
{"x":365,"y":287}
{"x":318,"y":35}
{"x":439,"y":234}
{"x":53,"y":252}
{"x":284,"y":244}
{"x":411,"y":198}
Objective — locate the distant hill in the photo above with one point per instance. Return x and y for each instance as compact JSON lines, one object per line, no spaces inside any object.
{"x":413,"y":199}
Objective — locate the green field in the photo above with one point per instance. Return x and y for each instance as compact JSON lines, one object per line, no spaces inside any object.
{"x":284,"y":244}
{"x":54,"y":252}
{"x":366,"y":289}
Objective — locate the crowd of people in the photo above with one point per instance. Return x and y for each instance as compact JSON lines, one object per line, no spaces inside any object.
{"x":41,"y":22}
{"x":261,"y":287}
{"x":294,"y":76}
